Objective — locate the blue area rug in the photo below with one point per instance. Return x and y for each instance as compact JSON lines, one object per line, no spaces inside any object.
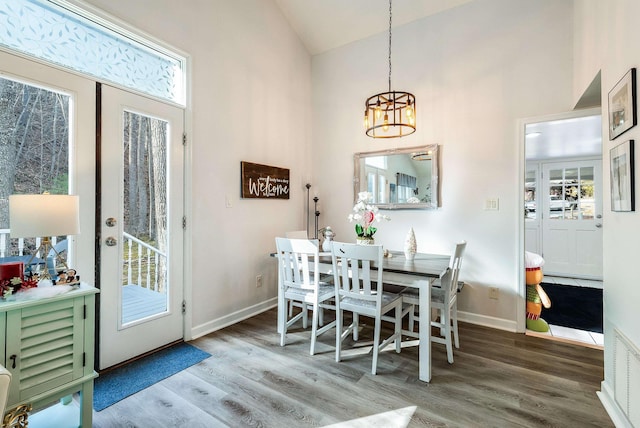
{"x":117,"y":384}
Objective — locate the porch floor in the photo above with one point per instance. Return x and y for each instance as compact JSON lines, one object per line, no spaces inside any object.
{"x":139,"y":302}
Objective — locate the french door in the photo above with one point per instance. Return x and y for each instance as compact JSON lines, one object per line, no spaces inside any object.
{"x":572,"y":218}
{"x":141,"y":234}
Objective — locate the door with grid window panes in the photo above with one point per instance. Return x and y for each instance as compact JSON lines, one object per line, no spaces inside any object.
{"x":571,"y":218}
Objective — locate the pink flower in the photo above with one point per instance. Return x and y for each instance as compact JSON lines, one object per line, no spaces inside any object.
{"x":369,"y":216}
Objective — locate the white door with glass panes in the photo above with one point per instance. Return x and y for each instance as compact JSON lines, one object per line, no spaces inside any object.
{"x":141,"y":232}
{"x":571,"y":201}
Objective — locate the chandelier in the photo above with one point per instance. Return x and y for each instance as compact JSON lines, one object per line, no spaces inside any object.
{"x":390,"y":114}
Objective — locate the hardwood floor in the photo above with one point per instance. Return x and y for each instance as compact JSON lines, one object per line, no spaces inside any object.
{"x":498,"y":379}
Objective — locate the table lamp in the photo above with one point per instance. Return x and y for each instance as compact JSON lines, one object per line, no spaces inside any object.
{"x":44,"y":216}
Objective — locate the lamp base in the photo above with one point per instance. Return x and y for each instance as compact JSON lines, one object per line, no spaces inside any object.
{"x":44,"y":249}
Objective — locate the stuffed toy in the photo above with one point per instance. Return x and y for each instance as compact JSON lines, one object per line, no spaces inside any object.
{"x":536,"y":297}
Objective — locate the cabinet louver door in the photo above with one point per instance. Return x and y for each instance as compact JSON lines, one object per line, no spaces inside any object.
{"x":47,"y":340}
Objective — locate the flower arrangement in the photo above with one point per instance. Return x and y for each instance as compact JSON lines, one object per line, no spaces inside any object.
{"x":364,"y":214}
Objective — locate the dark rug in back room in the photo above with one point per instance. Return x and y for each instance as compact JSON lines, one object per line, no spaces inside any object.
{"x":574,"y":307}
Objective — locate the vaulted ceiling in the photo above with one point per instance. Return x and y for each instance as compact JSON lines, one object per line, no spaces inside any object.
{"x":323,"y":25}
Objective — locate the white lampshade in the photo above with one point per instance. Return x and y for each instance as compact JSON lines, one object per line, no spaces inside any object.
{"x":32,"y":216}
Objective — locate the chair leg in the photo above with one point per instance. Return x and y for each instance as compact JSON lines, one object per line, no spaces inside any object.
{"x":446,"y":321}
{"x":339,"y":316}
{"x":356,"y":323}
{"x":305,"y":313}
{"x":314,"y":327}
{"x":398,"y":329}
{"x":412,"y":318}
{"x":376,"y":344}
{"x":283,"y":333}
{"x":454,"y":319}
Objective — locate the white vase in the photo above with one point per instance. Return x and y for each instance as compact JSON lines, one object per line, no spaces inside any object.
{"x":361,"y":240}
{"x":410,"y":246}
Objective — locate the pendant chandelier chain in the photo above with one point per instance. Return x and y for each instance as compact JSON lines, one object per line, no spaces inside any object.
{"x":390,"y":114}
{"x":390,"y":16}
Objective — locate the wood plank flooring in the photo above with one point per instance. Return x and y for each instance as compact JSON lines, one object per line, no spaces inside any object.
{"x":498,"y":379}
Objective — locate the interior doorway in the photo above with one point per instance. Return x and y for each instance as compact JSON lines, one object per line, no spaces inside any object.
{"x":563,"y":206}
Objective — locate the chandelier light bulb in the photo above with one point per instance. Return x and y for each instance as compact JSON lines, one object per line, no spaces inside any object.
{"x":378,"y":110}
{"x":409,"y":110}
{"x":385,"y":126}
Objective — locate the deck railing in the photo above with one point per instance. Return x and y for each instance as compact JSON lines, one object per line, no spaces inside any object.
{"x":144,"y":265}
{"x":16,"y":246}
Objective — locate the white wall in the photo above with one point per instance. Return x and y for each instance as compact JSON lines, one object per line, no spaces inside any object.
{"x":608,"y":39}
{"x":475,"y":70}
{"x":250,"y":100}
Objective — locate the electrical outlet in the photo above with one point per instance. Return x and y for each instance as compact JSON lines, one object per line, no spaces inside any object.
{"x":258,"y":281}
{"x":494,"y":293}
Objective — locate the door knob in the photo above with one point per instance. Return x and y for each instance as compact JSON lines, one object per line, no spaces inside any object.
{"x":599,"y":216}
{"x":598,"y":224}
{"x":110,"y":222}
{"x":111,"y":241}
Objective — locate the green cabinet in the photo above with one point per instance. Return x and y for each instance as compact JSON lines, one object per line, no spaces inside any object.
{"x":48,"y":347}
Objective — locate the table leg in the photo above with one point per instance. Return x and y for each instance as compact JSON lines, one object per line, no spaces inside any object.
{"x":425,"y":330}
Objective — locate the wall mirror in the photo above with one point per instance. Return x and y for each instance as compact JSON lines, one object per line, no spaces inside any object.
{"x":405,"y":178}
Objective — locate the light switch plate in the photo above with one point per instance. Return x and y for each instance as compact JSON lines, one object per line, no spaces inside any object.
{"x":492,"y":204}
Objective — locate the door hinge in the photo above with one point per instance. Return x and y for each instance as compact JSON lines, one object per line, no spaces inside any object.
{"x":84,"y":359}
{"x":84,"y":312}
{"x":184,"y":139}
{"x":184,"y":306}
{"x":184,"y":222}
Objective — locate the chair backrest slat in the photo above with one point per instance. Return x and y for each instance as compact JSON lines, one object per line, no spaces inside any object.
{"x":354,"y":276}
{"x":298,"y":262}
{"x":454,"y":266}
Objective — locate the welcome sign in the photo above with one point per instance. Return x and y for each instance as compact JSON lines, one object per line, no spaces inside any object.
{"x":264,"y":181}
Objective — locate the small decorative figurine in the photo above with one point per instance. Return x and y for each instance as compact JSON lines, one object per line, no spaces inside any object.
{"x":410,"y":246}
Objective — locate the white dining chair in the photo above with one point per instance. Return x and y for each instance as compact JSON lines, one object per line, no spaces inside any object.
{"x":358,"y":289}
{"x":444,"y":299}
{"x":300,"y":282}
{"x":298,"y":234}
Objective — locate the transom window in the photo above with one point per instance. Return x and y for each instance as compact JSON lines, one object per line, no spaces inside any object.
{"x":61,"y":33}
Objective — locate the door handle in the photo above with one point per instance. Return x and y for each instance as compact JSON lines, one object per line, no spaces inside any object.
{"x":111,"y":241}
{"x":598,"y":225}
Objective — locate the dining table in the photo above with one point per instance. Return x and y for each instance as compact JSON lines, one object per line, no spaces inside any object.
{"x":418,"y":273}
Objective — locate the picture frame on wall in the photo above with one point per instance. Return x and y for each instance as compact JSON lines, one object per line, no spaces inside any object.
{"x":621,"y":159}
{"x":622,"y":105}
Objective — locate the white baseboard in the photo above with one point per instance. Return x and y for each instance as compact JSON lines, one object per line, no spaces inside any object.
{"x":616,"y":414}
{"x":234,"y":318}
{"x":215,"y":325}
{"x":487,"y":321}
